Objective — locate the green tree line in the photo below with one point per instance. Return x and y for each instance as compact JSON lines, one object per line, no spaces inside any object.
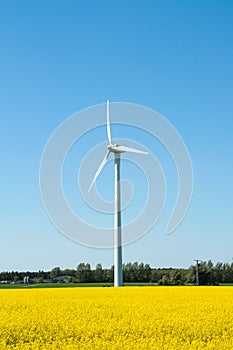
{"x":209,"y":274}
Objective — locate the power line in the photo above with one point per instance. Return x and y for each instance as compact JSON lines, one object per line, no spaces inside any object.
{"x":197,"y":272}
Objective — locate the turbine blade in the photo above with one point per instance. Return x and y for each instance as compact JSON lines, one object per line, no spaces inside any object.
{"x":129,"y":149}
{"x":108,"y":125}
{"x":99,"y":170}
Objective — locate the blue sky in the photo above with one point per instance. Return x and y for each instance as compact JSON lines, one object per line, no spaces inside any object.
{"x":59,"y":57}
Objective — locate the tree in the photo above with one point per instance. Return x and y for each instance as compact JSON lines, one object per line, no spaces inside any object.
{"x":164,"y":281}
{"x":227,"y":273}
{"x":16,"y":278}
{"x":39,"y":280}
{"x":80,"y":273}
{"x":134,"y":272}
{"x":147,"y":273}
{"x":108,"y":274}
{"x":84,"y":273}
{"x":218,"y":272}
{"x":88,"y":273}
{"x":128,"y":272}
{"x":69,"y":272}
{"x":56,"y":271}
{"x":205,"y":272}
{"x":155,"y":276}
{"x":98,"y":273}
{"x":177,"y":278}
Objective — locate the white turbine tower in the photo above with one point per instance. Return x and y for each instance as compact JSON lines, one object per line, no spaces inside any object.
{"x":117,"y":150}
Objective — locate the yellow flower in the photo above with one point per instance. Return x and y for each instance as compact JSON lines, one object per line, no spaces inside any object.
{"x":134,"y":318}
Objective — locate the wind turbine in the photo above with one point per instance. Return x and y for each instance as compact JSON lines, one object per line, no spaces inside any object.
{"x":116,"y":150}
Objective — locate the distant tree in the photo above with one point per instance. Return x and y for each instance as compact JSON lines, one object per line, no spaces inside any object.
{"x":128,"y":272}
{"x":177,"y":278}
{"x":164,"y":281}
{"x":206,"y":273}
{"x":108,"y":274}
{"x":5,"y":276}
{"x":80,"y":273}
{"x":16,"y":278}
{"x":218,"y":272}
{"x":84,"y":273}
{"x":98,"y":273}
{"x":88,"y":273}
{"x":227,"y":273}
{"x":147,"y":273}
{"x":155,"y":276}
{"x":41,"y":274}
{"x":69,"y":272}
{"x":135,"y":272}
{"x":56,"y":271}
{"x":39,"y":280}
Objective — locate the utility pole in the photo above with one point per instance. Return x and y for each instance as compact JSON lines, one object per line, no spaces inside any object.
{"x":197,"y":272}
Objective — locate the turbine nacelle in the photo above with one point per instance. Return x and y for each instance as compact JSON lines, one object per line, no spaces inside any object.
{"x":122,"y":149}
{"x":115,"y":149}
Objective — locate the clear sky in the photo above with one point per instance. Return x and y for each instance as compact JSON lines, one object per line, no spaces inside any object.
{"x":58,"y":57}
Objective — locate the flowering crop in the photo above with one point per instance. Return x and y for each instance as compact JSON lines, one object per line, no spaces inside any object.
{"x":117,"y":318}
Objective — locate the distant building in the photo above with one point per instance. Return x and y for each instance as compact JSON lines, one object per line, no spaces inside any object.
{"x":26,"y":280}
{"x":62,"y":279}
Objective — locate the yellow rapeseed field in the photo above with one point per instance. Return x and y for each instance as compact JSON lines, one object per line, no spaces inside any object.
{"x":117,"y":318}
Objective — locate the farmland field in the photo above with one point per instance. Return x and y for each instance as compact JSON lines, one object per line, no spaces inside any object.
{"x":117,"y":318}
